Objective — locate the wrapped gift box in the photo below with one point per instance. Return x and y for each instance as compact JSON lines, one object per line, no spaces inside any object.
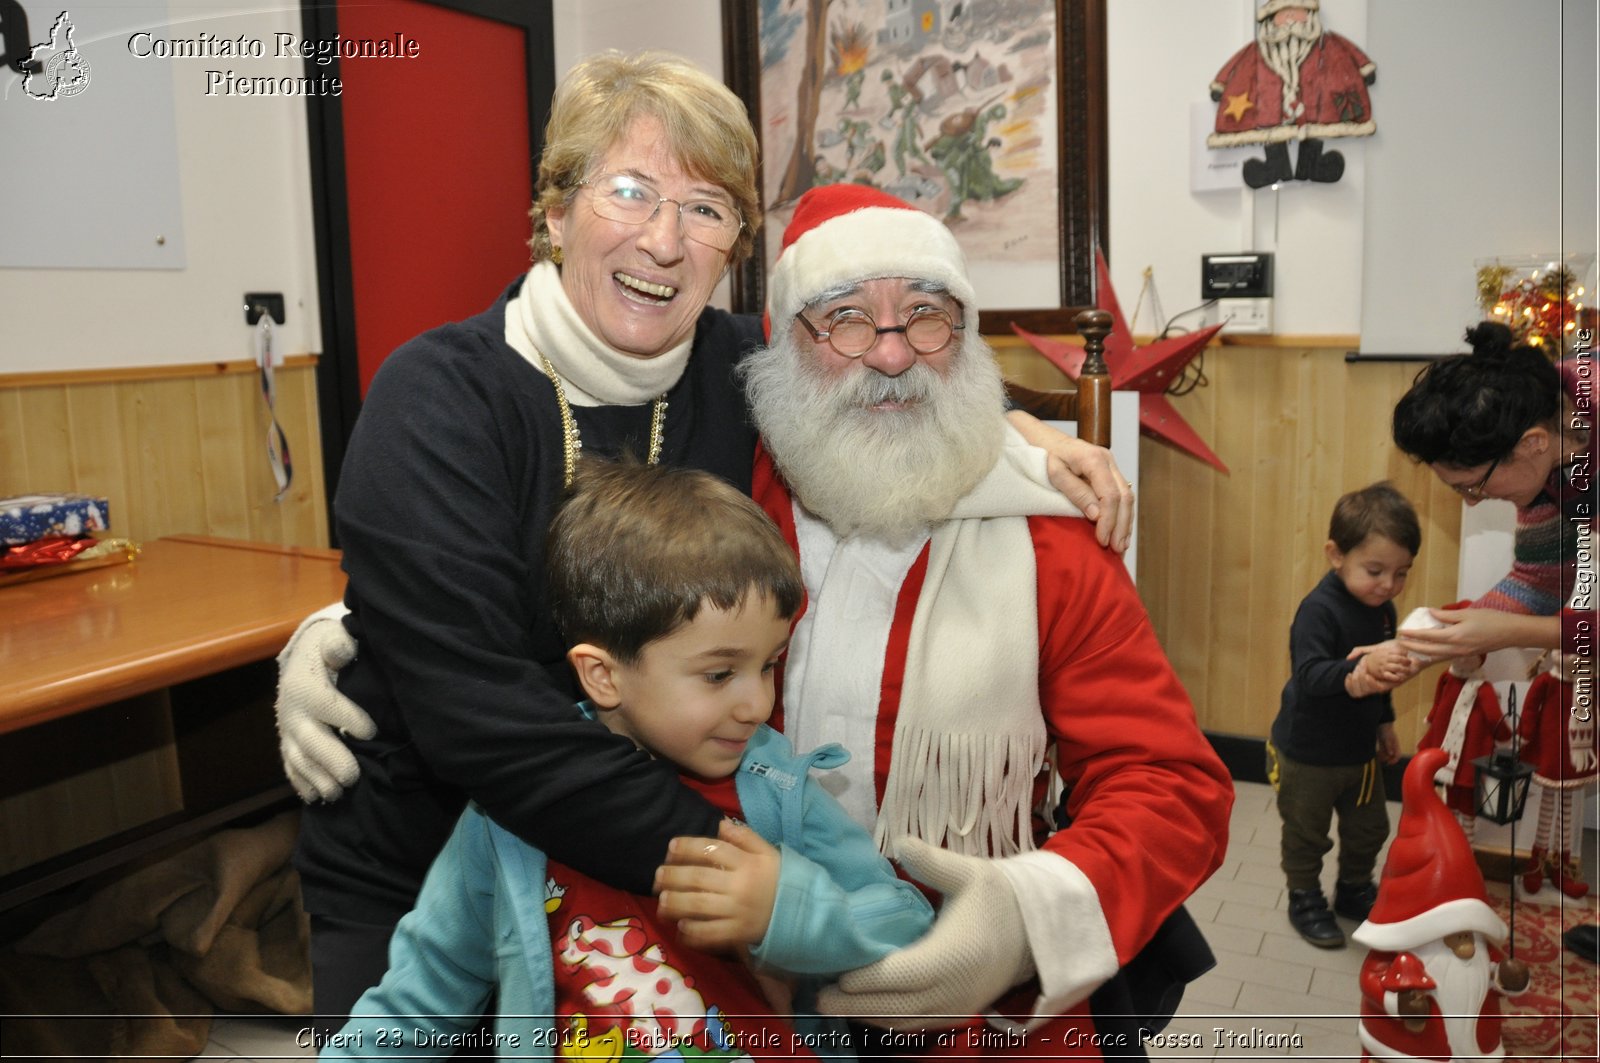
{"x":27,"y":518}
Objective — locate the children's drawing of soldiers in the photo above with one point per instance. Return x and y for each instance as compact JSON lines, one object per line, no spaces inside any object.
{"x":962,"y":151}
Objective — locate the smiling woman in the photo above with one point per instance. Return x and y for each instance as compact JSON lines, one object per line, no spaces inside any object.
{"x":455,"y":467}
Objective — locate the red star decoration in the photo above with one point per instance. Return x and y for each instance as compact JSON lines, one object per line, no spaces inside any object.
{"x":1148,"y":370}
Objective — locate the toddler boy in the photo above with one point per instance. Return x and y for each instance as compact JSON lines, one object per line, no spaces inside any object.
{"x":675,"y":593}
{"x":1335,"y":726}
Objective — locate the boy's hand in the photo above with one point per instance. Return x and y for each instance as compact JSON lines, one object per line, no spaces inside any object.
{"x":1388,"y":744}
{"x":720,"y":890}
{"x":1386,"y":662}
{"x":1363,"y":683}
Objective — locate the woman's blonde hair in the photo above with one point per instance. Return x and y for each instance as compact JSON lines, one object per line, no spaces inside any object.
{"x":705,"y":125}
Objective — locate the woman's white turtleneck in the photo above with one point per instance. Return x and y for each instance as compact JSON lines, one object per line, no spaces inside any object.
{"x":541,"y":319}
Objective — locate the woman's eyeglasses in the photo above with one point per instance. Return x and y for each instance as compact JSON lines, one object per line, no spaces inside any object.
{"x":1476,"y":491}
{"x":853,"y":333}
{"x":618,"y":197}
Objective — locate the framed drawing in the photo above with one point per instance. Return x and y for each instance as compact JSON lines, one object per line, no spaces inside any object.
{"x":989,"y":114}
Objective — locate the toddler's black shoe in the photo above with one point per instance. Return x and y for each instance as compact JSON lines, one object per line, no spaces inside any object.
{"x":1354,"y":901}
{"x":1309,"y":915}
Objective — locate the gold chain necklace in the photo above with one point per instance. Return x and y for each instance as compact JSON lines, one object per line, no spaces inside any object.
{"x":571,"y":442}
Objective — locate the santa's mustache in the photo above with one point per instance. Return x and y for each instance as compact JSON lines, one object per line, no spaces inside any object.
{"x":871,"y":389}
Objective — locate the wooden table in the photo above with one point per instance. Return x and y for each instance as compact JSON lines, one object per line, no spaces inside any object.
{"x":188,"y":631}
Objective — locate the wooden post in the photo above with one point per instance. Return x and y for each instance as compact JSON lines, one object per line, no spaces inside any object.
{"x":1094,"y":381}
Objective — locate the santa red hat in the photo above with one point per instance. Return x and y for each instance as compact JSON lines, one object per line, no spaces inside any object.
{"x":845,"y":233}
{"x":1431,"y":884}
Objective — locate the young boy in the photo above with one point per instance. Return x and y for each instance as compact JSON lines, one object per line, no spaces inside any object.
{"x":675,"y":593}
{"x":1336,"y":710}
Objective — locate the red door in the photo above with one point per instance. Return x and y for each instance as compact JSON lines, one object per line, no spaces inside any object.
{"x":423,"y":174}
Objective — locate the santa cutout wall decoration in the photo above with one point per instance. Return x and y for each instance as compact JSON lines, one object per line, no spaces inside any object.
{"x":1296,"y":81}
{"x":1431,"y":986}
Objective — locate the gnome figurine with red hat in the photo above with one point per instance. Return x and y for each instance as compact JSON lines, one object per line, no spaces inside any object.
{"x":1431,"y":986}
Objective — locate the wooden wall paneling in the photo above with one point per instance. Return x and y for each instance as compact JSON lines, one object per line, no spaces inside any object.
{"x":1232,"y":430}
{"x":173,"y":451}
{"x":47,"y":447}
{"x":223,"y":425}
{"x":303,"y":513}
{"x":159,"y":416}
{"x":1277,"y":479}
{"x":13,"y":448}
{"x":100,"y":459}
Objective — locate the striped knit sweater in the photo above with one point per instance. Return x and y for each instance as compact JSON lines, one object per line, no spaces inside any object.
{"x":1543,"y":566}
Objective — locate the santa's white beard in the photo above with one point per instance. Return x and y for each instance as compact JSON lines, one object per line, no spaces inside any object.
{"x":1463,"y":986}
{"x":888,"y":474}
{"x":1283,"y":48}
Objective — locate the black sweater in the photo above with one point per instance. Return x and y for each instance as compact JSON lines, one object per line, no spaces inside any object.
{"x":1318,"y":723}
{"x":451,"y":478}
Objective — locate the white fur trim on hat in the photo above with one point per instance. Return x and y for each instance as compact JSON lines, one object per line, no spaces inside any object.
{"x":865,"y":245}
{"x":1451,"y":917}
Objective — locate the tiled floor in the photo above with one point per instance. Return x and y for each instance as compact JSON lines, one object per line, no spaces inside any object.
{"x":1271,"y":995}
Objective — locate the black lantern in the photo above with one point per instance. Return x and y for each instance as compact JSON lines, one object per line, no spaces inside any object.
{"x":1501,"y":788}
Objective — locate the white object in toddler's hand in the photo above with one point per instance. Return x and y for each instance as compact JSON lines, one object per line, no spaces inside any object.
{"x":1420,"y":619}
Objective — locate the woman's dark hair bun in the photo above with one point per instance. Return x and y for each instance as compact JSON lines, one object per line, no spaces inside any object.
{"x":1490,"y":338}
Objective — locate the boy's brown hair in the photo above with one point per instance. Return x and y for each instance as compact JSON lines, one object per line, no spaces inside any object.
{"x":637,"y":550}
{"x":1375,"y":510}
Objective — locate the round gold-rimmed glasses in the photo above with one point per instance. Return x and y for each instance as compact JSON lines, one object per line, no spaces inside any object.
{"x":852,"y":333}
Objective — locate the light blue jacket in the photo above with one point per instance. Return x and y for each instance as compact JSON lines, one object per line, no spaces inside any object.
{"x":480,"y":922}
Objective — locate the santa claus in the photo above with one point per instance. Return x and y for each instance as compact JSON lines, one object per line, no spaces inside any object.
{"x":1431,"y":986}
{"x":1296,"y":82}
{"x":959,"y":627}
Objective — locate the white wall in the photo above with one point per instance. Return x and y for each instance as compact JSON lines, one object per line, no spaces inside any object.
{"x":692,"y":28}
{"x":246,"y":212}
{"x":1492,"y":153}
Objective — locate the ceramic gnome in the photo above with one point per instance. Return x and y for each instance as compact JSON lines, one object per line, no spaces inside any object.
{"x":1431,"y":985}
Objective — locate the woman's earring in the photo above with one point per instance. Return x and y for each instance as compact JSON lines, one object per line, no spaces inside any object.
{"x":556,"y":255}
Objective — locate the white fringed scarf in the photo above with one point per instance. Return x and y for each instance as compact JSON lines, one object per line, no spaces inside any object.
{"x":541,"y":319}
{"x":970,"y":735}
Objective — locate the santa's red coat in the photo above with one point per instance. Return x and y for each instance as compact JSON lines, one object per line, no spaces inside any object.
{"x":1333,"y":90}
{"x":1149,"y":798}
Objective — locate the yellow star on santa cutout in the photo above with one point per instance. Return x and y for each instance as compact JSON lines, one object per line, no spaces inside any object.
{"x":1238,"y":105}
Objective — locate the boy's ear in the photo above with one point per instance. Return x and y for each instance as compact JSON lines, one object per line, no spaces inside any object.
{"x":596,"y":670}
{"x":1334,"y":555}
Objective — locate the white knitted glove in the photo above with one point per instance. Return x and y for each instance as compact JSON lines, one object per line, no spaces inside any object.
{"x":310,"y":708}
{"x":977,"y":949}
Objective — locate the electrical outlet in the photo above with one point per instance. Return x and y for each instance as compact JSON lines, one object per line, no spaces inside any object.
{"x":1245,"y":316}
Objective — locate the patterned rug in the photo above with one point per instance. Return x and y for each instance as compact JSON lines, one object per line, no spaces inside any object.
{"x":1555,"y":1018}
